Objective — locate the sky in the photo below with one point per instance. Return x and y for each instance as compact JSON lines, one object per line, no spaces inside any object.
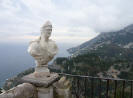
{"x":74,"y":21}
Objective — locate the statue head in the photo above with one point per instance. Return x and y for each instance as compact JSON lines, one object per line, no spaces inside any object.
{"x":46,"y":30}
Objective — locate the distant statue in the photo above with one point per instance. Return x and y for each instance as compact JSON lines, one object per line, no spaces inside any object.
{"x":43,"y":50}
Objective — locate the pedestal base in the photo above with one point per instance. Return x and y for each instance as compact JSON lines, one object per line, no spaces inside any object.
{"x":43,"y":84}
{"x":41,"y":81}
{"x":45,"y":92}
{"x":42,"y":72}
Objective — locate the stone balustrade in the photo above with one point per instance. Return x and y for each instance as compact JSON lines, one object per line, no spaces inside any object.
{"x":25,"y":90}
{"x":46,"y":87}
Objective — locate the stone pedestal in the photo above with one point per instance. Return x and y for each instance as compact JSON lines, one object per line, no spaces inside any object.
{"x":42,"y":71}
{"x":45,"y":92}
{"x":41,"y":81}
{"x":43,"y":84}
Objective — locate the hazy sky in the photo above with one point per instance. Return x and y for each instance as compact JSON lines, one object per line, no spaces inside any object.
{"x":74,"y":21}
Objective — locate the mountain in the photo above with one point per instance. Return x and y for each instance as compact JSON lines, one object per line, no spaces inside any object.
{"x":121,"y":39}
{"x":110,"y":54}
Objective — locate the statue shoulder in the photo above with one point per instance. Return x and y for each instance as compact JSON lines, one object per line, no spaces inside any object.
{"x":34,"y":47}
{"x":35,"y":41}
{"x":52,"y":41}
{"x":53,"y":44}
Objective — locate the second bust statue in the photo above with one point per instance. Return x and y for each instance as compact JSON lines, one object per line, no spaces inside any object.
{"x":43,"y":49}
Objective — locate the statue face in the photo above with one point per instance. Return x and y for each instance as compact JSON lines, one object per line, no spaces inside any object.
{"x":47,"y":32}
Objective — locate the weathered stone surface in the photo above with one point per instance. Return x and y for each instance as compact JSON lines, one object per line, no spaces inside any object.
{"x":41,"y":72}
{"x":24,"y":90}
{"x":45,"y":92}
{"x":62,"y":88}
{"x":41,"y":81}
{"x":62,"y":93}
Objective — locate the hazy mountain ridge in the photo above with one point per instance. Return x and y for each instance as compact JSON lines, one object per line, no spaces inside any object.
{"x":122,"y":38}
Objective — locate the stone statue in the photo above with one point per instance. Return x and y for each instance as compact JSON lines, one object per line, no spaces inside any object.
{"x":43,"y":50}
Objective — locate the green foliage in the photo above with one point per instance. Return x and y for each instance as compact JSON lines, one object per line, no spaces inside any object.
{"x":60,"y":60}
{"x":99,"y":60}
{"x":87,"y":63}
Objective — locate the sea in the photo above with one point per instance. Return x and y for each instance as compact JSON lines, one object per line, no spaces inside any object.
{"x":14,"y":58}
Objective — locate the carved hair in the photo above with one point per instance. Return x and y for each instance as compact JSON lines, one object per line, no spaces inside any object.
{"x":48,"y":24}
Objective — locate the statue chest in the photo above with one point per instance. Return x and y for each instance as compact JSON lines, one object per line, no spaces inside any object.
{"x":47,"y":47}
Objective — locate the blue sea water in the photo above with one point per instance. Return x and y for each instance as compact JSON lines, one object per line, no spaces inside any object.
{"x":14,"y":59}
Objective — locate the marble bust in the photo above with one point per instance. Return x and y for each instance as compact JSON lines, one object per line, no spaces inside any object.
{"x":43,"y":50}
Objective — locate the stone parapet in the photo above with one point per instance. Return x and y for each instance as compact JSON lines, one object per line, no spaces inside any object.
{"x":43,"y":87}
{"x":43,"y":84}
{"x":41,"y":81}
{"x":45,"y":92}
{"x":62,"y":88}
{"x":24,"y":90}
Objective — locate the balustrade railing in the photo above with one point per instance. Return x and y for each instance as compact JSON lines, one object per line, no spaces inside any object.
{"x":96,"y":87}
